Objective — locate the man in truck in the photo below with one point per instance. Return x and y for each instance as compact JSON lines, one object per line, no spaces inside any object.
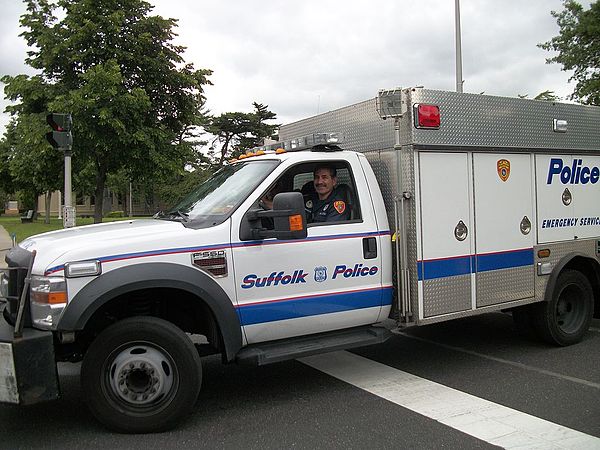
{"x":330,"y":203}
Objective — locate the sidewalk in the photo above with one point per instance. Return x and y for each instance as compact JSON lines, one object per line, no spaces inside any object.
{"x":5,"y":244}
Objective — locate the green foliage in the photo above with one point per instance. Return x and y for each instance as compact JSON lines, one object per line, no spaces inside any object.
{"x":115,"y":214}
{"x":236,"y":132}
{"x":24,"y":230}
{"x":578,"y":47}
{"x":179,"y":186}
{"x":548,"y":96}
{"x":113,"y":66}
{"x":29,"y":164}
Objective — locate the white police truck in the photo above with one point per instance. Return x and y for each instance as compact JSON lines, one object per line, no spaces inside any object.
{"x":455,"y":205}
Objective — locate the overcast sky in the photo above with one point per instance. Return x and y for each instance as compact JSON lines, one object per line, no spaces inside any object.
{"x":309,"y":56}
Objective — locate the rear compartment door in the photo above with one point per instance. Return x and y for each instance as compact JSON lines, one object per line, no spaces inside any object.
{"x":445,"y":267}
{"x":504,"y":221}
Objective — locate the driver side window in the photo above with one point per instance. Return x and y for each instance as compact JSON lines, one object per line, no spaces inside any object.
{"x":328,"y":189}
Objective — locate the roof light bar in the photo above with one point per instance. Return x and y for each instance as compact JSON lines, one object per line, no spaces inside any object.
{"x":327,"y":141}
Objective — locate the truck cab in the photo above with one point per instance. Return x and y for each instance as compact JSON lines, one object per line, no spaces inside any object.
{"x":224,"y":265}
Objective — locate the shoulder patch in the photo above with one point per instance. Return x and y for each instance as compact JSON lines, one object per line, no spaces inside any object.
{"x":339,"y":206}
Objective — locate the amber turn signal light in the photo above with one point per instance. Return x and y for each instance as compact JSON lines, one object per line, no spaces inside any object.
{"x":296,"y":222}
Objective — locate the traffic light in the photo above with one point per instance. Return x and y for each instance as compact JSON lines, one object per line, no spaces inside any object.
{"x":61,"y":137}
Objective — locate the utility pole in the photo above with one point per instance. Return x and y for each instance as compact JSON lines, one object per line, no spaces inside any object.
{"x":459,"y":75}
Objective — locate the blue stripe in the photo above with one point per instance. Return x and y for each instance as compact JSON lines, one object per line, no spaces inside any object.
{"x":444,"y":268}
{"x":313,"y":305}
{"x":464,"y":265}
{"x":495,"y":261}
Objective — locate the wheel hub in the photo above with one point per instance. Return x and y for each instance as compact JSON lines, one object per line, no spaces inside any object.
{"x":569,"y":309}
{"x":141,"y":375}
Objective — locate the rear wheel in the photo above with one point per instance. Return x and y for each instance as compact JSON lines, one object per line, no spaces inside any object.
{"x":566,"y":317}
{"x":141,"y":375}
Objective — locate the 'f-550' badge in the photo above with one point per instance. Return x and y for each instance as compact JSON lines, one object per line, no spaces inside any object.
{"x":503,"y":166}
{"x":320,"y":274}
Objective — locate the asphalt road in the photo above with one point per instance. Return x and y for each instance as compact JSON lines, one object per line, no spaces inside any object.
{"x":292,"y":405}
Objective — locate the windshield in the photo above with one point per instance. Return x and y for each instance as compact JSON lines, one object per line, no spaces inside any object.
{"x":216,"y":198}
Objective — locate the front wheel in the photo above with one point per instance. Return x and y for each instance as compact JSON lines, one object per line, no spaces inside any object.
{"x":141,"y":375}
{"x":567,"y":316}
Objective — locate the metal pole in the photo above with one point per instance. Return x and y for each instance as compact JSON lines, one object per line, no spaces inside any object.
{"x":459,"y":75}
{"x":68,"y":178}
{"x":130,"y":200}
{"x":68,"y":209}
{"x":59,"y":205}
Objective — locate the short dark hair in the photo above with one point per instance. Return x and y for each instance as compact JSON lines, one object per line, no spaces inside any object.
{"x":331,"y":168}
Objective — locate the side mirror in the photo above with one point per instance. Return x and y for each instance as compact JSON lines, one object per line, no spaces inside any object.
{"x":288,"y":218}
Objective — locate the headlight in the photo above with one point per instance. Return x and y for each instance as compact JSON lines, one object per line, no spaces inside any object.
{"x":48,"y":290}
{"x":48,"y":300}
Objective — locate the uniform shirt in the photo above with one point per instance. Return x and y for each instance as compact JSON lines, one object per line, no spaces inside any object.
{"x":332,"y":209}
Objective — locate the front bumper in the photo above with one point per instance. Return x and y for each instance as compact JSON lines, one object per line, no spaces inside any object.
{"x":28,"y":372}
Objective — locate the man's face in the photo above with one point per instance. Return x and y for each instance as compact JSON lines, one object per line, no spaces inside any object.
{"x":324,"y":183}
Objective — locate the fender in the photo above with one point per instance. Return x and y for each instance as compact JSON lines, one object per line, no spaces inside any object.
{"x":559,"y":268}
{"x":156,"y":275}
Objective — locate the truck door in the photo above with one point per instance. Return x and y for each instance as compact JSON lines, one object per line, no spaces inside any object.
{"x":504,"y":234}
{"x":330,"y":280}
{"x":445,"y":266}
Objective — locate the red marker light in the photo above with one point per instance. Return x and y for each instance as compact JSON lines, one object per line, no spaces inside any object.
{"x":427,"y":116}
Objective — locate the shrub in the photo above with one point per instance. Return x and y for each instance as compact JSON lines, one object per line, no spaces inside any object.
{"x":115,"y":214}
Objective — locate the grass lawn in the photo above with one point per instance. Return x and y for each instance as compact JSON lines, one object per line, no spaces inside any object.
{"x":23,"y":230}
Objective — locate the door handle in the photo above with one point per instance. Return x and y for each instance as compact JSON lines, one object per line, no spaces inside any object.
{"x":370,"y":248}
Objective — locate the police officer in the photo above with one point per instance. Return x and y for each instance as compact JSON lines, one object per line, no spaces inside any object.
{"x":328,"y":204}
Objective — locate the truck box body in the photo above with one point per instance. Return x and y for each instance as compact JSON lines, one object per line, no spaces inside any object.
{"x":453,"y":176}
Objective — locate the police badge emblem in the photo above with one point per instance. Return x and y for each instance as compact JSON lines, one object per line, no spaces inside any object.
{"x":339,"y":206}
{"x":309,"y":204}
{"x":503,"y":166}
{"x":320,"y":274}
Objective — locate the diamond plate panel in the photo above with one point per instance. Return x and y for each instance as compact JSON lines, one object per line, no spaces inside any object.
{"x":363,"y":129}
{"x":505,"y":285}
{"x":384,"y":164}
{"x":446,"y":295}
{"x":468,"y":120}
{"x":471,"y":120}
{"x":558,"y":251}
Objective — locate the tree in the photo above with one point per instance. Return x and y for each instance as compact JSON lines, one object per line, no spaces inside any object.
{"x":578,"y":47}
{"x":547,"y":95}
{"x":236,"y":132}
{"x":114,"y":67}
{"x":31,"y":165}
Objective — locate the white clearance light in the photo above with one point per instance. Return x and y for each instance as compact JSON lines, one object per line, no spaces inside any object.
{"x":314,"y":140}
{"x":82,"y":269}
{"x":327,"y":140}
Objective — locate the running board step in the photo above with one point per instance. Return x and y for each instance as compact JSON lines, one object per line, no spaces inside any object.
{"x":272,"y":352}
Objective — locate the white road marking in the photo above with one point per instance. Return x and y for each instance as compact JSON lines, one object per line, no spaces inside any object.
{"x":509,"y":362}
{"x":485,"y":420}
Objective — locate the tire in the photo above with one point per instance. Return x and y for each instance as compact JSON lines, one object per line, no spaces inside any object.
{"x":141,"y":375}
{"x":567,"y":316}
